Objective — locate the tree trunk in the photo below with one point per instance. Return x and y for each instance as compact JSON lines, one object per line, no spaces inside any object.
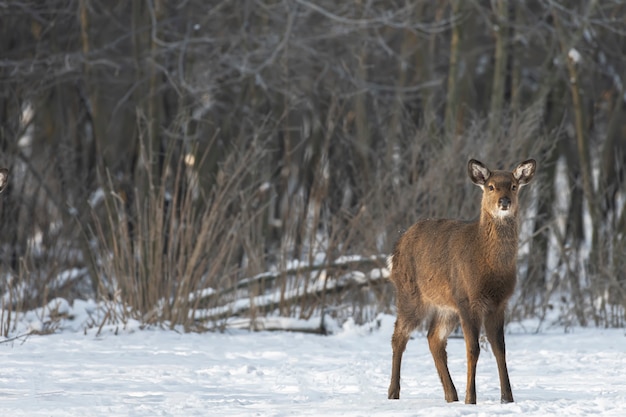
{"x":582,"y":143}
{"x":452,"y":96}
{"x":499,"y":71}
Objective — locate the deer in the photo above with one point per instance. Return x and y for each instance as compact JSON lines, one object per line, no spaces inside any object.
{"x":448,"y":272}
{"x":4,"y":178}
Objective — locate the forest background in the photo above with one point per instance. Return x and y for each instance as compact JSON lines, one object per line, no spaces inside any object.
{"x":208,"y":164}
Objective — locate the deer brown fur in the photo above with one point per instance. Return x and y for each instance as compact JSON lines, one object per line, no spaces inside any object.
{"x":448,"y":272}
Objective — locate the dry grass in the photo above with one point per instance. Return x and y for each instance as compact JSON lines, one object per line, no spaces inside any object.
{"x":171,"y":242}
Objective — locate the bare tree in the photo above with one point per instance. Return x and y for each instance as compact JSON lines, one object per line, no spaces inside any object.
{"x":337,"y":119}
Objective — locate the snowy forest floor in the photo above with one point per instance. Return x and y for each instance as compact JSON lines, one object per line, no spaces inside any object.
{"x":152,"y":372}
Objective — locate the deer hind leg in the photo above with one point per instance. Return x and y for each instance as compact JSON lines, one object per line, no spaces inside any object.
{"x":441,"y":325}
{"x":399,"y":340}
{"x":494,"y":328}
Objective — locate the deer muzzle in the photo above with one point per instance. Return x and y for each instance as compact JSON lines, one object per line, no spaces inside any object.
{"x":504,"y":203}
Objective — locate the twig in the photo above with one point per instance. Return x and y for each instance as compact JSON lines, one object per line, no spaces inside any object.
{"x":14,"y":338}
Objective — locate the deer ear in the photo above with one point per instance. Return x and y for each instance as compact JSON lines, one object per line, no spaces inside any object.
{"x":525,"y":171}
{"x":478,"y":172}
{"x":4,"y":176}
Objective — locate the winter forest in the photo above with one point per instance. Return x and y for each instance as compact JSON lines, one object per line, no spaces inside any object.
{"x":251,"y":163}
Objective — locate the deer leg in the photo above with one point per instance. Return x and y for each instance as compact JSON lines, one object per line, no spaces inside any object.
{"x":471,"y":331}
{"x":494,"y":327}
{"x":440,"y":328}
{"x":398,"y":343}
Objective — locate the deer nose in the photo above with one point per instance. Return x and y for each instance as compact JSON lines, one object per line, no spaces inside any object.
{"x":504,"y":203}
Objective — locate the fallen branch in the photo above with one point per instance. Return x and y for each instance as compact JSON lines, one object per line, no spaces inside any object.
{"x":25,"y":336}
{"x":266,"y":302}
{"x":345,"y":263}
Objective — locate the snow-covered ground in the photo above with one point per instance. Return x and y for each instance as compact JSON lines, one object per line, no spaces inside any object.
{"x":238,"y":373}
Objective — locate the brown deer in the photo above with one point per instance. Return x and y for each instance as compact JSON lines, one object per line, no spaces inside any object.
{"x":4,"y":178}
{"x":450,"y":271}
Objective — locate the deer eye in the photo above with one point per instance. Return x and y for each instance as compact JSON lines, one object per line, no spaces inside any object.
{"x":491,"y":187}
{"x":513,"y":187}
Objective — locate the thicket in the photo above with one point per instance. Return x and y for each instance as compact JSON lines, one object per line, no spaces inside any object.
{"x":219,"y":163}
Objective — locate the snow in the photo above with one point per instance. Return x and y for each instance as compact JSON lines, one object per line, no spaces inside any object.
{"x":122,"y":370}
{"x":574,"y":55}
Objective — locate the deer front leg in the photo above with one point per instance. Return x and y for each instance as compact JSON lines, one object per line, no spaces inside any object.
{"x":471,"y":330}
{"x":494,"y":327}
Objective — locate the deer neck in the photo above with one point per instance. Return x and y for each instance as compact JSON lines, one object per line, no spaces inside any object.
{"x":499,"y":238}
